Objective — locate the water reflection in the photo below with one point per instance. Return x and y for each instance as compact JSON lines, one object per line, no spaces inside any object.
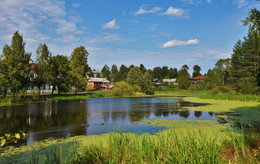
{"x":92,"y":116}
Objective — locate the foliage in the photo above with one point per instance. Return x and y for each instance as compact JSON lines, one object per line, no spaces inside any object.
{"x":106,"y":72}
{"x":245,"y":70}
{"x":122,"y":88}
{"x":17,"y":62}
{"x":7,"y":139}
{"x":196,"y":71}
{"x":183,"y":79}
{"x":60,"y":70}
{"x":78,"y":65}
{"x":41,"y":72}
{"x":173,"y":73}
{"x":247,"y":85}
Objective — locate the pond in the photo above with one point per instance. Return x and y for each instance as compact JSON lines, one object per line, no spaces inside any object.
{"x":93,"y":116}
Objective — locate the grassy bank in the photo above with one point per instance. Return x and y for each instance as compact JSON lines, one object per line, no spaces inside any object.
{"x":238,"y":97}
{"x":34,"y":98}
{"x":183,"y":142}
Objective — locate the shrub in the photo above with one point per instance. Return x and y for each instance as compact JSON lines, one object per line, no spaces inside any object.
{"x":122,"y":88}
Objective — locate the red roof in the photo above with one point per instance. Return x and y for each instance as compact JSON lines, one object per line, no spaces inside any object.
{"x":32,"y":67}
{"x":197,"y":78}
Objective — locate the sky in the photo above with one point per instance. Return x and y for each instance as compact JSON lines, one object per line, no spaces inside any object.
{"x":150,"y":32}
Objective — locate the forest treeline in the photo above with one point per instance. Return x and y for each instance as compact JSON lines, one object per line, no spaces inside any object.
{"x":240,"y":73}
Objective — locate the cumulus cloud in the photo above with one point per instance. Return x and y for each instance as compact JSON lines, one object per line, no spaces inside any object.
{"x":176,"y":12}
{"x":143,"y":11}
{"x":111,"y":25}
{"x":176,"y":43}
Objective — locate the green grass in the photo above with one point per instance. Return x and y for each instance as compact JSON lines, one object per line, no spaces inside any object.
{"x":182,"y":142}
{"x":223,"y":96}
{"x":68,"y":96}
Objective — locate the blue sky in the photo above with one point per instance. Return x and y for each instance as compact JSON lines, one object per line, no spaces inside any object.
{"x":149,"y":32}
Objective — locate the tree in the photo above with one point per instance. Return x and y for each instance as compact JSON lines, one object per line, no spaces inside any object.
{"x":123,"y":71}
{"x":42,"y":67}
{"x":114,"y":69}
{"x":173,"y":73}
{"x":106,"y":72}
{"x":78,"y":65}
{"x":157,"y":73}
{"x":147,"y":83}
{"x":253,"y":20}
{"x":59,"y":73}
{"x":196,"y":71}
{"x":3,"y":77}
{"x":17,"y":62}
{"x":223,"y":69}
{"x":183,"y":79}
{"x":165,"y":71}
{"x":142,"y":68}
{"x":134,"y":76}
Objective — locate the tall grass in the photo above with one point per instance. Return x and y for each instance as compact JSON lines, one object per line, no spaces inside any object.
{"x":223,"y":96}
{"x":167,"y":147}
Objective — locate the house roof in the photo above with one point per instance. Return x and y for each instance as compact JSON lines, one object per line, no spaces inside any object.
{"x":197,"y":78}
{"x":170,"y":80}
{"x":32,"y":67}
{"x":104,"y":80}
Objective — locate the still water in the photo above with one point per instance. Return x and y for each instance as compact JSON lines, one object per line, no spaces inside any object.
{"x":93,"y":116}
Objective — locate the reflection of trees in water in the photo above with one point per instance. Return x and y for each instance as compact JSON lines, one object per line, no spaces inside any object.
{"x":118,"y":116}
{"x":211,"y":113}
{"x":166,"y":114}
{"x":136,"y":116}
{"x":105,"y":116}
{"x":43,"y":116}
{"x":197,"y":114}
{"x":184,"y":114}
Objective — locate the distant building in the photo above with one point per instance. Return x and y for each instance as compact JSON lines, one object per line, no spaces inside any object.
{"x":33,"y":88}
{"x":196,"y":80}
{"x":170,"y":81}
{"x":99,"y":83}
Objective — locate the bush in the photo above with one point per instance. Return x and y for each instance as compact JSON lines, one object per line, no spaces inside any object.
{"x":149,"y":91}
{"x":122,"y":88}
{"x":247,"y":85}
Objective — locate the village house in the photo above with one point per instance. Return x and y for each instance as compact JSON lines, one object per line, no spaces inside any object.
{"x":97,"y":83}
{"x":170,"y":81}
{"x":196,"y":80}
{"x":33,"y":88}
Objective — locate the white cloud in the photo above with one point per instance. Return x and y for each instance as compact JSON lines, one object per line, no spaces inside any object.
{"x":175,"y":12}
{"x":176,"y":43}
{"x":209,"y":1}
{"x":111,"y":25}
{"x":240,"y":3}
{"x":38,"y":21}
{"x":143,"y":11}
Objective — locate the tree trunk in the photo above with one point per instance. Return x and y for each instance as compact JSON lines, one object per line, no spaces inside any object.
{"x":58,"y":90}
{"x":52,"y":90}
{"x":39,"y":90}
{"x":5,"y":92}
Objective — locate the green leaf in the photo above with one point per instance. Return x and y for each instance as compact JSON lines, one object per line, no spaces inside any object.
{"x":7,"y":135}
{"x":3,"y":142}
{"x":2,"y":138}
{"x":17,"y":135}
